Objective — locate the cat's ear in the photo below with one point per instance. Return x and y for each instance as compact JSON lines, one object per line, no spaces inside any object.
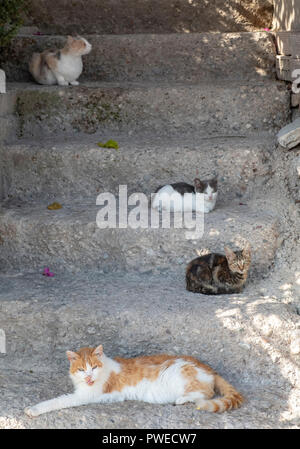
{"x":214,"y":182}
{"x":72,"y":356}
{"x":198,"y":184}
{"x":98,"y":351}
{"x":247,"y":251}
{"x":70,"y":39}
{"x":230,"y":255}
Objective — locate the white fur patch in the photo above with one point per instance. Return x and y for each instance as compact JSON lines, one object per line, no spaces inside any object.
{"x":204,"y":376}
{"x":69,"y":67}
{"x":165,"y":389}
{"x":170,"y":200}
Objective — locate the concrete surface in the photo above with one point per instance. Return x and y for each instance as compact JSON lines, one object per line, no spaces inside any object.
{"x":149,"y":16}
{"x":179,"y":105}
{"x":66,"y":167}
{"x":181,"y":57}
{"x":245,"y":337}
{"x":163,"y":109}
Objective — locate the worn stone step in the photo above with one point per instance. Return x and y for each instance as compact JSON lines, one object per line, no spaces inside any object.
{"x":58,"y":170}
{"x":8,"y":121}
{"x":244,"y":337}
{"x":149,"y":16}
{"x":261,"y":411}
{"x":69,"y":238}
{"x":195,"y":57}
{"x":209,"y":109}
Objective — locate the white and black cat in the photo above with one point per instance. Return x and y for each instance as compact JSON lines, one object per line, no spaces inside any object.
{"x":182,"y":196}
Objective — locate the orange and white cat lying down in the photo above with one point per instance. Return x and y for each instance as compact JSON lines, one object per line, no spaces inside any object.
{"x":159,"y":379}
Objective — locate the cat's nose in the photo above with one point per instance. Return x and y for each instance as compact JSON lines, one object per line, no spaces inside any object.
{"x":89,"y":380}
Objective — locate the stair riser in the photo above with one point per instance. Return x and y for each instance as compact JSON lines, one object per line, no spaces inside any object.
{"x":189,"y":58}
{"x":207,"y":109}
{"x":56,"y":239}
{"x":149,"y":16}
{"x":87,"y":170}
{"x":8,"y":121}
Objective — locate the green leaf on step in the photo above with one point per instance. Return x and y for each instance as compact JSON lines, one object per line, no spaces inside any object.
{"x":109,"y":144}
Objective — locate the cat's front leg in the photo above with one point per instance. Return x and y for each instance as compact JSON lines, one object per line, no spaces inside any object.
{"x":64,"y":401}
{"x":60,"y":80}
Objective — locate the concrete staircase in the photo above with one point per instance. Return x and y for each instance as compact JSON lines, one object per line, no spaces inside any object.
{"x":178,"y":105}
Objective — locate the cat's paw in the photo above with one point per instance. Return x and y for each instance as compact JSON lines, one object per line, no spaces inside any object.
{"x":63,"y":83}
{"x":32,"y":412}
{"x":74,"y":83}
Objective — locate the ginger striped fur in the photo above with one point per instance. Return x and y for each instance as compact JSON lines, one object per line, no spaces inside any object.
{"x":159,"y":379}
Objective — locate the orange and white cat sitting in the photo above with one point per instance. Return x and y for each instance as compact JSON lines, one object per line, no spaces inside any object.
{"x":159,"y":379}
{"x":61,"y":67}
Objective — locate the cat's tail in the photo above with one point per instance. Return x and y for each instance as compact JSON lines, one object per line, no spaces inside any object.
{"x":231,"y":398}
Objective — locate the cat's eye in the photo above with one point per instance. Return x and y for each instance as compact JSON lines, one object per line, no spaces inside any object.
{"x":80,"y":369}
{"x":94,"y":367}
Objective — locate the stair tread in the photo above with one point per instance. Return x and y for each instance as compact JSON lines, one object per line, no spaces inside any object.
{"x":189,"y":57}
{"x":167,"y":109}
{"x":141,"y":141}
{"x":88,"y":207}
{"x":230,"y":84}
{"x":43,"y":317}
{"x":139,"y":36}
{"x":261,"y":410}
{"x":161,"y":16}
{"x":75,"y":167}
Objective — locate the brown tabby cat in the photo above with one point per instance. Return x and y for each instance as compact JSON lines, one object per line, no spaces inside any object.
{"x":216,"y":274}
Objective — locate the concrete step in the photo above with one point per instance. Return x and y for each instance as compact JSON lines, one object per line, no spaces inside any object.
{"x":149,"y":16}
{"x":59,"y":170}
{"x":209,"y":109}
{"x":195,"y":57}
{"x":244,"y":337}
{"x":261,"y":411}
{"x":9,"y":125}
{"x":69,"y":238}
